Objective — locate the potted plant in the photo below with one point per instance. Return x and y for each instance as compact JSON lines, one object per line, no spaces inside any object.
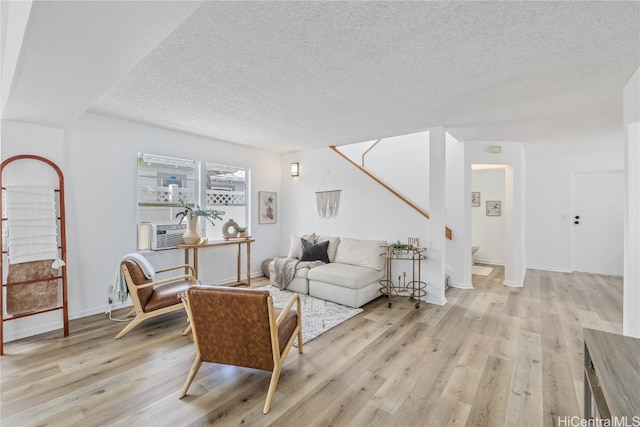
{"x":401,"y":249}
{"x":191,"y":236}
{"x":242,"y":231}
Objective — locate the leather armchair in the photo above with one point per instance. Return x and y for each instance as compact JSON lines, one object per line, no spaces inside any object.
{"x":240,"y":326}
{"x":154,"y":298}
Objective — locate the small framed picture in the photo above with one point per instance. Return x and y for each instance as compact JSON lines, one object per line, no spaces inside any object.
{"x":493,"y":208}
{"x":475,"y":199}
{"x":267,"y":207}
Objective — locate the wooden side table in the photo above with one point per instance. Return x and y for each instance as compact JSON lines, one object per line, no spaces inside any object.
{"x":219,"y":243}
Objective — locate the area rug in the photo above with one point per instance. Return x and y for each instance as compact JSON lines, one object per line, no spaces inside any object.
{"x":481,"y":271}
{"x":318,"y":316}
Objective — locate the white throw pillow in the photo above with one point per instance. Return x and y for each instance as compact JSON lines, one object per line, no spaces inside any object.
{"x":333,"y":245}
{"x":365,"y":253}
{"x":295,"y":251}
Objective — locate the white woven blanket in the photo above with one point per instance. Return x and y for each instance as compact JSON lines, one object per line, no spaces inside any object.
{"x":31,"y":230}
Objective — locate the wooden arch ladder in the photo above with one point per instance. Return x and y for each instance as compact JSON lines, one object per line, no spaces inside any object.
{"x":62,"y":250}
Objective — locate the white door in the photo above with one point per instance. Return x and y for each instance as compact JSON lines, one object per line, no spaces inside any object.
{"x":597,"y":222}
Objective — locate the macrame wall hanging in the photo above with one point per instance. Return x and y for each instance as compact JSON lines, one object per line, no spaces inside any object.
{"x":328,"y":201}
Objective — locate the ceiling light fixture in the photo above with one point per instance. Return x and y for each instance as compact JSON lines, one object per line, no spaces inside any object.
{"x":295,"y":169}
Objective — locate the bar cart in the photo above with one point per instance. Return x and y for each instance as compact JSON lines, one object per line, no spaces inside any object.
{"x":415,"y":288}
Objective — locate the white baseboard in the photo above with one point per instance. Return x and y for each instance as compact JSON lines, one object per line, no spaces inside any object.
{"x":513,"y":284}
{"x":436,"y":301}
{"x":488,"y":261}
{"x":558,"y":270}
{"x":460,"y":285}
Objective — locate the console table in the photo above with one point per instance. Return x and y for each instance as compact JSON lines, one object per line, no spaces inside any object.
{"x":218,"y":243}
{"x":611,"y":376}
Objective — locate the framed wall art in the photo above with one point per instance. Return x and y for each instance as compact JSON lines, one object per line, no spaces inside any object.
{"x":475,"y":199}
{"x":267,"y":207}
{"x":493,"y":208}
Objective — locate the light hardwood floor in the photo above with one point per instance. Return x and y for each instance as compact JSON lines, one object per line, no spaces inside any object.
{"x":491,"y":356}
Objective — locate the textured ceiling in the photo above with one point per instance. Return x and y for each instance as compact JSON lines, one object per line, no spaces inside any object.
{"x":293,"y":75}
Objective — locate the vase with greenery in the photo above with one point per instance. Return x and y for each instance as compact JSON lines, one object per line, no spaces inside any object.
{"x":400,"y":249}
{"x":191,"y":236}
{"x":242,"y":231}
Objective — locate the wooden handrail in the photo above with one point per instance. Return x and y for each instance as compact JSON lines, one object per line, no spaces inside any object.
{"x":369,"y":149}
{"x":447,"y":231}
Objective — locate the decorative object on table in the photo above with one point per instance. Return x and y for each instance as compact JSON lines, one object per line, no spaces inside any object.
{"x":475,"y":199}
{"x":242,"y":231}
{"x":328,"y":201}
{"x":230,"y":229}
{"x":493,"y":208}
{"x":267,"y":207}
{"x":191,"y":236}
{"x":399,"y":248}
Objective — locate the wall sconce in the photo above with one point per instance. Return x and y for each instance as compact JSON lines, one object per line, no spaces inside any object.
{"x":295,"y":169}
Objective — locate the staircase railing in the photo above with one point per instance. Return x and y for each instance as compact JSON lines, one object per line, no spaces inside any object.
{"x":447,"y":231}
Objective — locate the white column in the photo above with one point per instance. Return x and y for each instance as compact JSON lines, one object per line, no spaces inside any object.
{"x":436,"y":264}
{"x":514,"y":266}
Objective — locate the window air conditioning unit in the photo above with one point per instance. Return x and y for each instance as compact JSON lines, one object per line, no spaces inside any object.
{"x":165,"y":235}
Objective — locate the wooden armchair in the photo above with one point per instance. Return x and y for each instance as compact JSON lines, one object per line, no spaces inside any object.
{"x":240,"y":326}
{"x":153,"y":298}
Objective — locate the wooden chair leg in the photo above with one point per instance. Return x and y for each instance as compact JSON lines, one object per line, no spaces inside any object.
{"x":131,"y":313}
{"x":192,"y":374}
{"x":187,"y":330}
{"x":300,"y":341}
{"x":275,"y":376}
{"x":135,"y":322}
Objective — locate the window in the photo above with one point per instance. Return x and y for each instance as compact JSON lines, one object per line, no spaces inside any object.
{"x":164,"y":184}
{"x":226,"y":191}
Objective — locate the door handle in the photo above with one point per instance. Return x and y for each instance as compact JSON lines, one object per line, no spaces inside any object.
{"x":577,"y":217}
{"x":576,"y":222}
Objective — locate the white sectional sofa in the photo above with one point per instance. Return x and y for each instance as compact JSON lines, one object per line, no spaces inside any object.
{"x":351,"y":277}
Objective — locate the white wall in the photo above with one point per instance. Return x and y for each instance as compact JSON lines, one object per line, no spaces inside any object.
{"x":489,"y":231}
{"x":548,"y":198}
{"x":401,"y":162}
{"x":367,"y":211}
{"x":99,"y":163}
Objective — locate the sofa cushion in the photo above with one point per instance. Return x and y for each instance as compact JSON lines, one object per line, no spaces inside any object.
{"x":345,"y":275}
{"x":333,"y":245}
{"x":295,"y":251}
{"x":363,"y":253}
{"x":314,"y":252}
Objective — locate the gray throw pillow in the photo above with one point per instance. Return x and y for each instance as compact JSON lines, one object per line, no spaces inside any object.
{"x":317,"y":252}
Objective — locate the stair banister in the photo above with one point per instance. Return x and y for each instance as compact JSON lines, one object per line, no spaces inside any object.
{"x":447,"y":231}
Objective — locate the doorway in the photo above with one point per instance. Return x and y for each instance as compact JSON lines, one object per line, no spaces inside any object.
{"x":488,"y":214}
{"x":597,"y":222}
